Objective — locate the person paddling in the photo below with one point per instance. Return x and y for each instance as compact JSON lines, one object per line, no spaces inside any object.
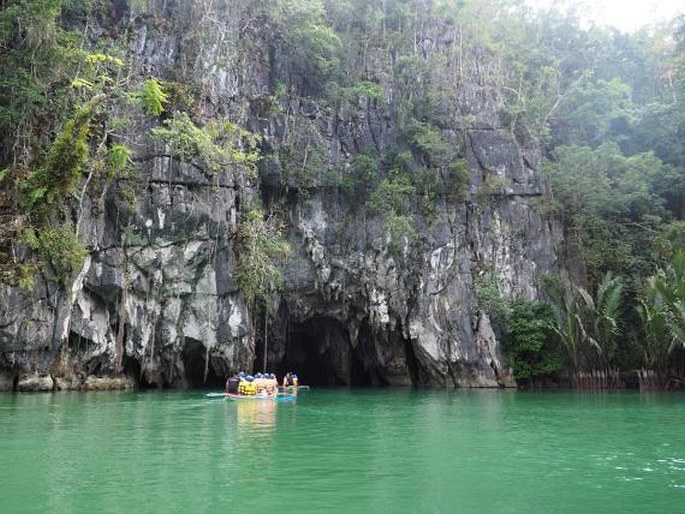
{"x":290,"y":380}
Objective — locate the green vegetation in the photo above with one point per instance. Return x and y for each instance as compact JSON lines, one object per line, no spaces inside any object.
{"x":216,"y":146}
{"x":661,"y":310}
{"x":398,"y":84}
{"x":61,"y":247}
{"x":153,"y":97}
{"x":488,"y":296}
{"x":610,"y":206}
{"x":357,"y":179}
{"x":64,"y":107}
{"x":392,"y":202}
{"x":302,"y":160}
{"x":262,"y":249}
{"x":50,"y":93}
{"x":306,"y":49}
{"x":529,"y":346}
{"x":606,"y":109}
{"x":120,"y":158}
{"x":63,"y":165}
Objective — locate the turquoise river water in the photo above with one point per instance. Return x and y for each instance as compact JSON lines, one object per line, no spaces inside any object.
{"x":343,"y":451}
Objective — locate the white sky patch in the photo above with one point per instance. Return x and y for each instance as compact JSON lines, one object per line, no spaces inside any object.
{"x":626,"y":15}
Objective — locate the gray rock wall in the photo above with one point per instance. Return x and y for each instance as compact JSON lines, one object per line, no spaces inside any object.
{"x":156,"y":303}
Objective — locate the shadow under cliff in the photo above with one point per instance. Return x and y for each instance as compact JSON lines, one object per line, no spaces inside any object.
{"x":327,"y":352}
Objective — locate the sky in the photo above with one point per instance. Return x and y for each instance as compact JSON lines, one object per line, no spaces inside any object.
{"x":626,"y":15}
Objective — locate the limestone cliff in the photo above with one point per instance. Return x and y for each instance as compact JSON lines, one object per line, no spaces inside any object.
{"x":157,"y":302}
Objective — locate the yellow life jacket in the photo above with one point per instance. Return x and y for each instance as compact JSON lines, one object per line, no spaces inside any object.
{"x":245,"y":387}
{"x":271,"y":386}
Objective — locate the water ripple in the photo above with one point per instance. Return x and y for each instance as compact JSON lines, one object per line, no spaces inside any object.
{"x":342,"y":451}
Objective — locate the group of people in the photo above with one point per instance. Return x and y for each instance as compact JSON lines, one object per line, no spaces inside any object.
{"x":261,"y":384}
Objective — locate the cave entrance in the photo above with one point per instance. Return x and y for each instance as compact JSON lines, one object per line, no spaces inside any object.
{"x":194,"y":363}
{"x":319,"y":351}
{"x":363,"y":369}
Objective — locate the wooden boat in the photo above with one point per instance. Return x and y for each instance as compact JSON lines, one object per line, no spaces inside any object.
{"x":278,"y":397}
{"x":239,"y":396}
{"x":284,"y":393}
{"x":232,"y":396}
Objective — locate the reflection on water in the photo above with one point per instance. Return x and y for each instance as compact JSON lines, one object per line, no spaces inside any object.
{"x":343,"y":451}
{"x":259,"y":414}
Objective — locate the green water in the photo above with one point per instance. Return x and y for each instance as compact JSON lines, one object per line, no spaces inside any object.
{"x":343,"y":451}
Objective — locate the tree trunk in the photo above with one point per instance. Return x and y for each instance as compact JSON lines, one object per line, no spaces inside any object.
{"x":266,"y":337}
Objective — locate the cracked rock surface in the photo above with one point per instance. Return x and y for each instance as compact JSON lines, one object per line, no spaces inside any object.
{"x":158,"y":291}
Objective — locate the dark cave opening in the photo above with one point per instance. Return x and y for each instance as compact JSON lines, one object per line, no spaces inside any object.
{"x":79,"y":347}
{"x":413,"y":364}
{"x":372,"y":359}
{"x":133,"y":369}
{"x":319,"y":351}
{"x":195,"y":357}
{"x":360,"y":374}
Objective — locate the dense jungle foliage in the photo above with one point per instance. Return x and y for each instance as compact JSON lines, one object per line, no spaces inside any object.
{"x":606,"y":110}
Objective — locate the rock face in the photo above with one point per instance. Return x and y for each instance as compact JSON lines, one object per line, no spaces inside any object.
{"x":157,"y":299}
{"x":35,"y":382}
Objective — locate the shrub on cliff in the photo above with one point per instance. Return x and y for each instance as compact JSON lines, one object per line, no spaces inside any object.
{"x":529,"y":346}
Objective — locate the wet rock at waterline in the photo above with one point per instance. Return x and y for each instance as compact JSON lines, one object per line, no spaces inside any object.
{"x":35,"y":382}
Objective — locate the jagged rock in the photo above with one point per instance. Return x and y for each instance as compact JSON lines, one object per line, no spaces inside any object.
{"x":35,"y":382}
{"x":92,"y":383}
{"x":158,"y":300}
{"x":69,"y":383}
{"x":486,"y":340}
{"x":6,"y":381}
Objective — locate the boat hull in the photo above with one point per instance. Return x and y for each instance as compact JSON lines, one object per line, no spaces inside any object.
{"x":241,"y":397}
{"x":280,"y":397}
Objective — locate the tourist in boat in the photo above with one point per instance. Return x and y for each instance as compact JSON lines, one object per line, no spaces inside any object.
{"x":241,"y":380}
{"x":290,"y":380}
{"x":260,"y":383}
{"x":273,"y":383}
{"x":232,"y":384}
{"x":247,"y":386}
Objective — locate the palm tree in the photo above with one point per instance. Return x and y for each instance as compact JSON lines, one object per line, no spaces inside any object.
{"x":662,"y":316}
{"x":670,"y":285}
{"x":599,"y":322}
{"x":655,"y":336}
{"x":582,"y":321}
{"x":566,"y":325}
